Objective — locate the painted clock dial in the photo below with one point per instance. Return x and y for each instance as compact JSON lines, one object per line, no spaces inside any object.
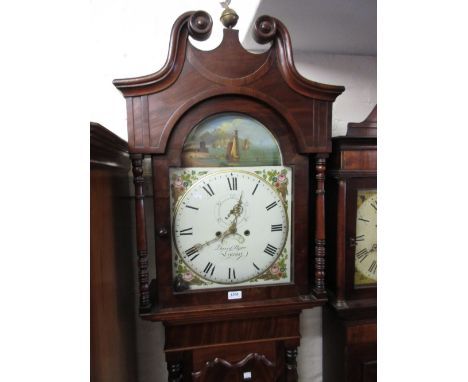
{"x":231,"y":226}
{"x":366,"y":238}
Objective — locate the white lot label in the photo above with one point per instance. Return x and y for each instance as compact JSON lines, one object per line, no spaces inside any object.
{"x":247,"y":375}
{"x":235,"y":295}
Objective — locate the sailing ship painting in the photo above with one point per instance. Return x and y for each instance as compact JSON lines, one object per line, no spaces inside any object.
{"x":232,"y":151}
{"x":230,"y":139}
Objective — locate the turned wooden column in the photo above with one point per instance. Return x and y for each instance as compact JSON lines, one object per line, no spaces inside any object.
{"x":341,"y":245}
{"x":291,"y":365}
{"x":319,"y":272}
{"x":174,"y":371}
{"x":142,"y":250}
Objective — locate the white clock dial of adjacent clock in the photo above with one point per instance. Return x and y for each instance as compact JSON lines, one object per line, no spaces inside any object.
{"x":366,"y":237}
{"x":230,"y":226}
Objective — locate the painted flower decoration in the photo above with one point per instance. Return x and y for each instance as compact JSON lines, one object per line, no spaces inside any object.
{"x":281,"y":178}
{"x":275,"y":269}
{"x":178,"y":183}
{"x":187,"y":276}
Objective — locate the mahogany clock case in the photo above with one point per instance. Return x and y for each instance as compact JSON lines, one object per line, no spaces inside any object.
{"x":203,"y":328}
{"x":300,"y":166}
{"x":193,"y":85}
{"x":350,"y":318}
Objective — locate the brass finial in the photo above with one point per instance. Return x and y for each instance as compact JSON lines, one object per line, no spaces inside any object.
{"x":229,"y":16}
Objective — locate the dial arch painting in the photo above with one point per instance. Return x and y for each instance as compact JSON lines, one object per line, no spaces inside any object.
{"x":230,"y":139}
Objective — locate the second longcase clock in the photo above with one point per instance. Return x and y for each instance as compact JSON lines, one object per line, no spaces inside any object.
{"x":238,"y":143}
{"x":350,"y":317}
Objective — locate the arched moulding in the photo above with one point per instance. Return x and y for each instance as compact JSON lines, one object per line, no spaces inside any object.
{"x":267,"y":29}
{"x":252,"y":95}
{"x":200,"y":25}
{"x":197,"y":24}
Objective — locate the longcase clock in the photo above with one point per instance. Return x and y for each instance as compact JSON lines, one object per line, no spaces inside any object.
{"x":238,"y":145}
{"x":350,"y":317}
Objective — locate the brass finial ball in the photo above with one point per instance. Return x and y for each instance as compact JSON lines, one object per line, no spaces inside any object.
{"x":229,"y":18}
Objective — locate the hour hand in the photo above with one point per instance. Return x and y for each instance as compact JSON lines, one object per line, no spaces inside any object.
{"x":237,"y":209}
{"x":219,"y":236}
{"x":200,"y":246}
